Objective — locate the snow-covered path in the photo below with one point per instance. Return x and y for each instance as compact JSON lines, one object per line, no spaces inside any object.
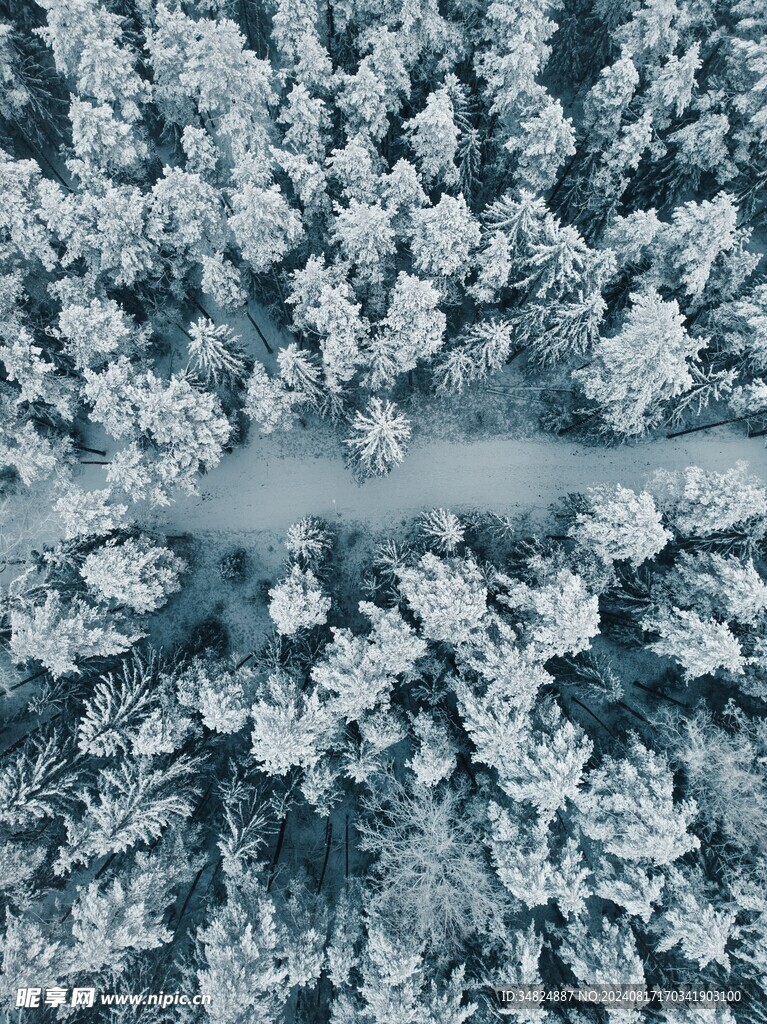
{"x":258,"y":488}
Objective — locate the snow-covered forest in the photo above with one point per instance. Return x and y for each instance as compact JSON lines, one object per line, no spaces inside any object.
{"x":359,"y":761}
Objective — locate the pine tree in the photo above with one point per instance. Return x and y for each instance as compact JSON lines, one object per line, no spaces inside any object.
{"x":309,"y":541}
{"x":435,"y":758}
{"x":443,"y":530}
{"x":243,"y":955}
{"x":522,"y":857}
{"x":620,"y":525}
{"x":215,"y":351}
{"x":644,"y":366}
{"x":133,"y":803}
{"x":433,"y":136}
{"x":365,"y":237}
{"x":609,"y":951}
{"x":115,"y":709}
{"x":691,"y":922}
{"x":112,"y":922}
{"x":379,"y":439}
{"x":704,"y":504}
{"x":448,"y":596}
{"x":563,"y":616}
{"x":701,"y":646}
{"x":60,"y":636}
{"x":290,"y":728}
{"x":413,"y":329}
{"x":297,"y":602}
{"x":444,"y":239}
{"x":628,"y":806}
{"x":722,"y":585}
{"x":134,"y":573}
{"x":548,"y":765}
{"x":34,"y":781}
{"x":268,"y":402}
{"x":88,"y":513}
{"x":629,"y":886}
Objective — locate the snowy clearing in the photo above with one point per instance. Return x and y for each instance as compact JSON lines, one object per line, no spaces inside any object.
{"x":260,"y":488}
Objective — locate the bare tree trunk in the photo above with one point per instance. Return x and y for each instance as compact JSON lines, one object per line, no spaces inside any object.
{"x":328,"y":842}
{"x":277,"y":852}
{"x":259,"y":332}
{"x":595,"y":717}
{"x":29,"y":679}
{"x":717,"y":423}
{"x":188,"y":898}
{"x":92,"y":451}
{"x":660,"y":694}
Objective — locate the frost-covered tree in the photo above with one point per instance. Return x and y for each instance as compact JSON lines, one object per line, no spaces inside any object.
{"x":449,"y":596}
{"x":691,"y":922}
{"x":628,"y":806}
{"x":113,"y":921}
{"x":88,"y":513}
{"x":297,"y":602}
{"x":563,"y":616}
{"x":644,"y":366}
{"x":722,"y":585}
{"x":289,"y":727}
{"x":133,"y":572}
{"x":268,"y":402}
{"x":430,"y":874}
{"x":214,"y":351}
{"x":444,"y":239}
{"x":435,"y":758}
{"x":608,"y":951}
{"x":620,"y":525}
{"x":548,"y":765}
{"x":700,"y":503}
{"x":701,"y":646}
{"x":133,"y":803}
{"x":442,"y":529}
{"x":412,"y":330}
{"x":60,"y":636}
{"x":433,"y":136}
{"x":379,"y":438}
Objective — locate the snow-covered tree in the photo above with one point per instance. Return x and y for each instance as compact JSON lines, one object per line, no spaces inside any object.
{"x":88,"y":513}
{"x":379,"y":438}
{"x":619,"y":525}
{"x":268,"y":402}
{"x":133,"y":803}
{"x":701,"y":503}
{"x":435,"y":758}
{"x":644,"y":366}
{"x":701,"y":646}
{"x":444,"y":239}
{"x":430,"y":872}
{"x":214,"y":351}
{"x":449,"y":596}
{"x":60,"y":636}
{"x":297,"y":602}
{"x":133,"y":572}
{"x":548,"y":765}
{"x":563,"y":615}
{"x":289,"y":727}
{"x":413,"y":330}
{"x":433,"y":135}
{"x":628,"y":806}
{"x":692,"y":923}
{"x":442,"y":529}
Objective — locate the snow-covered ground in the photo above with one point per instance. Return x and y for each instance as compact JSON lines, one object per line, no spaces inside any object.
{"x":261,"y":487}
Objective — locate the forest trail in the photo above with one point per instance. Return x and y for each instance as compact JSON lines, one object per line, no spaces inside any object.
{"x":258,"y":488}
